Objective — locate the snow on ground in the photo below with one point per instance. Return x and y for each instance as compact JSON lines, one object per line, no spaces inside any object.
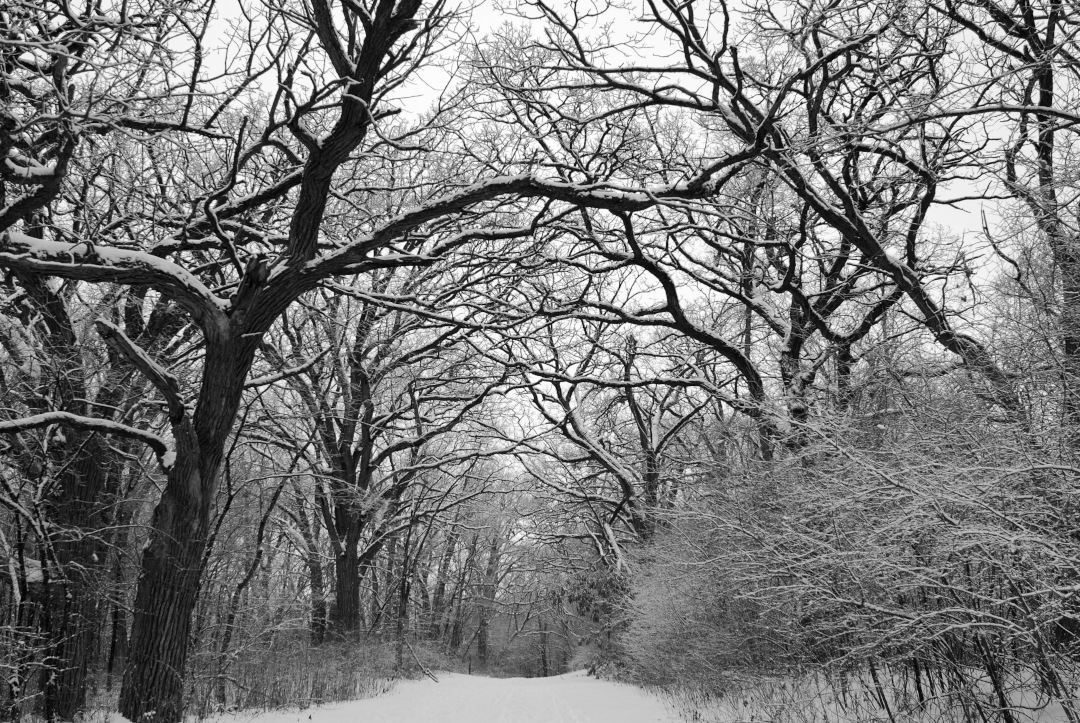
{"x":456,"y":698}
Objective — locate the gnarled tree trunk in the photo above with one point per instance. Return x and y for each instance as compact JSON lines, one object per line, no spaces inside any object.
{"x":168,"y":588}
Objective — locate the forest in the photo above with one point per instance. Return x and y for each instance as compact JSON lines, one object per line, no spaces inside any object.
{"x":700,"y":344}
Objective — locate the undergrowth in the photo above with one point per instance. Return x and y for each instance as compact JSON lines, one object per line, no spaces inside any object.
{"x":858,"y":698}
{"x":295,"y":678}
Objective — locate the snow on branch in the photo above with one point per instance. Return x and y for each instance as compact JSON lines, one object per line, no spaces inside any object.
{"x":161,"y":448}
{"x":1065,"y":115}
{"x":286,"y":373}
{"x":161,"y":378}
{"x":86,"y":262}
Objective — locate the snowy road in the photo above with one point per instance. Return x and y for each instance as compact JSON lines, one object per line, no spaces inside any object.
{"x":571,"y":698}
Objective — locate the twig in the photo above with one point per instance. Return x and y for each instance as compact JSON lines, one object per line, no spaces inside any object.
{"x":416,"y":660}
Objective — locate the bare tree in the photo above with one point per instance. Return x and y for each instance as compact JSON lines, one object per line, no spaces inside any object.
{"x":818,"y":186}
{"x":393,"y":386}
{"x":1025,"y":82}
{"x":761,"y":193}
{"x":185,"y":257}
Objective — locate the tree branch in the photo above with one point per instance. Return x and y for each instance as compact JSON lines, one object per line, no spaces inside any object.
{"x":162,"y":449}
{"x":86,"y":262}
{"x":165,"y":382}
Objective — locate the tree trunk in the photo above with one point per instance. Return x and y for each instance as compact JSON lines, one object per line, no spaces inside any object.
{"x":403,"y":605}
{"x":310,"y":533}
{"x":23,"y":617}
{"x":120,"y":544}
{"x":117,"y":642}
{"x":77,"y":510}
{"x":487,"y":602}
{"x":545,"y":669}
{"x":318,"y":602}
{"x":73,"y":633}
{"x":374,"y":572}
{"x":346,"y":612}
{"x":74,"y":600}
{"x":456,"y":623}
{"x":438,"y":614}
{"x":168,"y":588}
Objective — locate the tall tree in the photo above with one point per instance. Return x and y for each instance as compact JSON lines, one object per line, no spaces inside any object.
{"x":393,"y":387}
{"x":819,"y":186}
{"x":236,"y":231}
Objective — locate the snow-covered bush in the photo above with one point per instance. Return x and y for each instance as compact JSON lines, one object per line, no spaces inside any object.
{"x":688,"y":619}
{"x":930,"y":566}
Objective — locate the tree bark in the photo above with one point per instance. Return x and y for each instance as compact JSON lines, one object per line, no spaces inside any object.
{"x":168,"y":588}
{"x":487,"y":601}
{"x":345,"y":618}
{"x":404,"y":590}
{"x":78,"y":511}
{"x":73,"y":600}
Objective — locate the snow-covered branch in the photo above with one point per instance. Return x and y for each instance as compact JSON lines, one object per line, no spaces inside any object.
{"x":162,"y":448}
{"x":286,"y":373}
{"x":161,"y":378}
{"x":86,"y":262}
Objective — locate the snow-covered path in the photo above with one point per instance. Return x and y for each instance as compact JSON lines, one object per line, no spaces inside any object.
{"x":571,"y":698}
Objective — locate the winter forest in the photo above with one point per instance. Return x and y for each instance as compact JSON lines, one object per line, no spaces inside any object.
{"x":708,"y":345}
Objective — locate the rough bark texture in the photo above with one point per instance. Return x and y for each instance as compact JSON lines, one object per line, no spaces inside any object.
{"x":78,"y":509}
{"x":168,"y":589}
{"x":345,"y":618}
{"x":75,"y":604}
{"x":168,"y":585}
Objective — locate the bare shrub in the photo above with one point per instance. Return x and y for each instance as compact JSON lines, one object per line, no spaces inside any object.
{"x":936,"y":572}
{"x":298,"y":675}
